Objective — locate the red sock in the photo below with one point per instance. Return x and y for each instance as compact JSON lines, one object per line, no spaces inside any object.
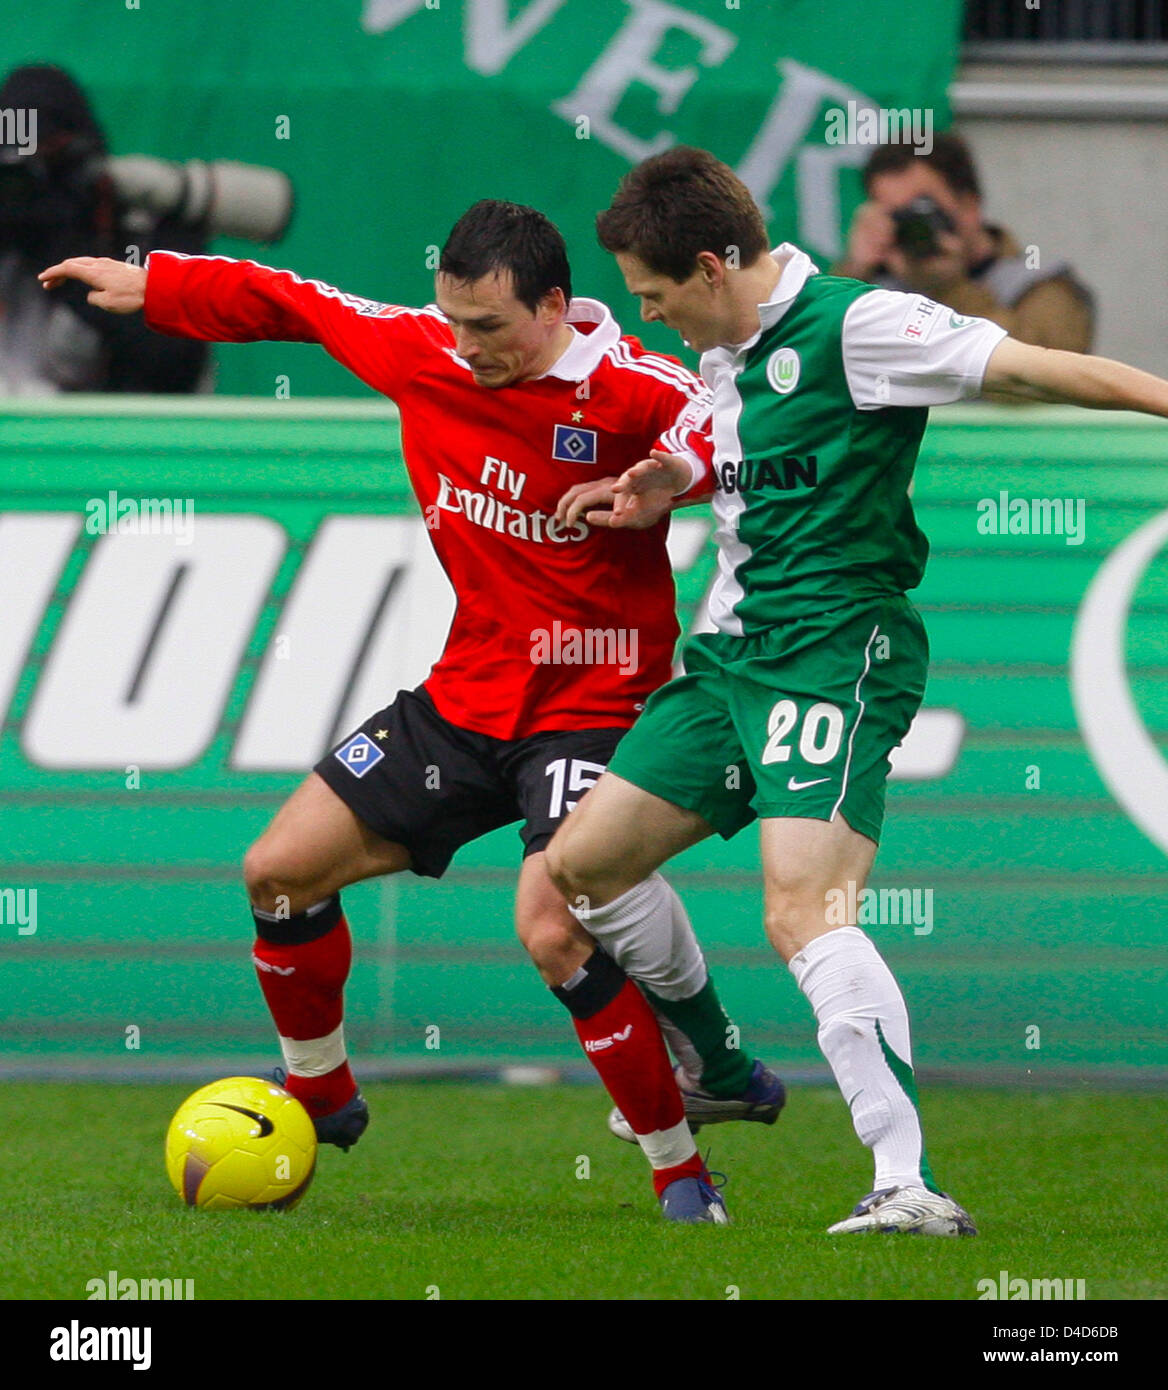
{"x":303,"y":983}
{"x":691,"y":1168}
{"x":623,"y":1042}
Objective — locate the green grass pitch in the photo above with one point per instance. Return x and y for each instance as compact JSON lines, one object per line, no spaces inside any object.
{"x":472,"y":1192}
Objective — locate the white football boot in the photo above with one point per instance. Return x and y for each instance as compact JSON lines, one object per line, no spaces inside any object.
{"x":914,"y":1210}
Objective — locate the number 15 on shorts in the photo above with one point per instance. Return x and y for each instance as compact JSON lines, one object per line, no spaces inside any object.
{"x":573,"y":775}
{"x":817,"y":734}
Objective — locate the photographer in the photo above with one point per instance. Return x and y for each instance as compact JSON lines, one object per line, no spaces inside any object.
{"x":921,"y":231}
{"x":62,"y":192}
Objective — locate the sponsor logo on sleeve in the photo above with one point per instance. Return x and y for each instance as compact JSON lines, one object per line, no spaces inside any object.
{"x":919,"y":319}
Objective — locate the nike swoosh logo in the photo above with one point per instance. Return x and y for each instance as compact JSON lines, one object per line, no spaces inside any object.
{"x":266,"y":1126}
{"x":793,"y":786}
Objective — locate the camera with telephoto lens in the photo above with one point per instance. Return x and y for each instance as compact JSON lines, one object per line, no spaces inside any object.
{"x":917,"y":225}
{"x":219,"y":197}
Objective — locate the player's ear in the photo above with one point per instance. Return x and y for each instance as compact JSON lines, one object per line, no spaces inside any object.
{"x":552,"y":307}
{"x":711,"y":268}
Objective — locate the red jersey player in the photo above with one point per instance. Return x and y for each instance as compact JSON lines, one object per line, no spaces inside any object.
{"x":511,"y":394}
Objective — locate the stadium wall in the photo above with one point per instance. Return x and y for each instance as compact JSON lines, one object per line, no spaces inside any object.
{"x":1072,"y":157}
{"x":162,"y":693}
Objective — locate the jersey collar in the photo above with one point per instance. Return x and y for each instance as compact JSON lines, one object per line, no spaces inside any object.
{"x":582,"y":355}
{"x":795,"y":274}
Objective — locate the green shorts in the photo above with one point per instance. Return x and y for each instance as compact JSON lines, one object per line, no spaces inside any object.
{"x":798,"y":721}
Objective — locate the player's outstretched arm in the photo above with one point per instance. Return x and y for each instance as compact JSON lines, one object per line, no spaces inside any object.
{"x":1032,"y":373}
{"x":113,"y":285}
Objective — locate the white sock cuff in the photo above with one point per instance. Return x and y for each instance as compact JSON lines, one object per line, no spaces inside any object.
{"x":666,"y":1148}
{"x":648,"y":934}
{"x":314,"y":1056}
{"x":825,"y":947}
{"x":627,"y":908}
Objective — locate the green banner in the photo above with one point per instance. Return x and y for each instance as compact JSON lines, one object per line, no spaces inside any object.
{"x":392,"y":116}
{"x":151,"y":728}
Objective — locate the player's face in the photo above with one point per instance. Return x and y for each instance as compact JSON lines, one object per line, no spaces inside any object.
{"x":689,"y":308}
{"x":495,"y":334}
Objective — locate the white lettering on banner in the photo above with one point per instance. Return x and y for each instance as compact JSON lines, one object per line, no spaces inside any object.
{"x":930,"y":747}
{"x":148,"y":653}
{"x":491,"y":42}
{"x":378,"y":16}
{"x":796,"y":109}
{"x":366,"y":615}
{"x":33,"y":549}
{"x":628,"y":59}
{"x":1130,"y":763}
{"x":150,"y":646}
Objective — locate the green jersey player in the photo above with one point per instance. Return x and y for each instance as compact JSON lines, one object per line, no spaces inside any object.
{"x":789,"y":709}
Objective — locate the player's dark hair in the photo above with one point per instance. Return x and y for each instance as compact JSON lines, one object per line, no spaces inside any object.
{"x":676,"y":204}
{"x":950,"y":156}
{"x":495,"y":236}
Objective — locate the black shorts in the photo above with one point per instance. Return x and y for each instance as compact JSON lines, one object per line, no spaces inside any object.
{"x":422,"y":782}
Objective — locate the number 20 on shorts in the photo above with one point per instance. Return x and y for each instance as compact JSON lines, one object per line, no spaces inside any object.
{"x":821,"y":732}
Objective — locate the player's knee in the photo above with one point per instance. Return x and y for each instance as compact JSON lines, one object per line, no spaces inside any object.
{"x":272,"y":884}
{"x":789,"y":915}
{"x":574,"y":877}
{"x":553,"y":945}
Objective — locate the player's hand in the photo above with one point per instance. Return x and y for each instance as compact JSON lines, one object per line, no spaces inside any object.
{"x":644,"y":493}
{"x":590,"y":501}
{"x":114,"y":285}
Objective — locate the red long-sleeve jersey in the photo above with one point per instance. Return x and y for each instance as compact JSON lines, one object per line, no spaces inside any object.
{"x":555,"y":627}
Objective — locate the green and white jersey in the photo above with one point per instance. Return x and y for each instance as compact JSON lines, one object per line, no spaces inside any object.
{"x":817,"y":423}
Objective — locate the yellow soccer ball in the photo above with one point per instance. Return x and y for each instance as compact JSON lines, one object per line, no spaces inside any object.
{"x":242,"y":1142}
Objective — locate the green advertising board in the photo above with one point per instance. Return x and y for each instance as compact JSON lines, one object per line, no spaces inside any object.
{"x":392,"y":116}
{"x":151,"y":728}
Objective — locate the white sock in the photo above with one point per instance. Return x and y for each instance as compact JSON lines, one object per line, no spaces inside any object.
{"x":648,"y":933}
{"x":857,"y":1001}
